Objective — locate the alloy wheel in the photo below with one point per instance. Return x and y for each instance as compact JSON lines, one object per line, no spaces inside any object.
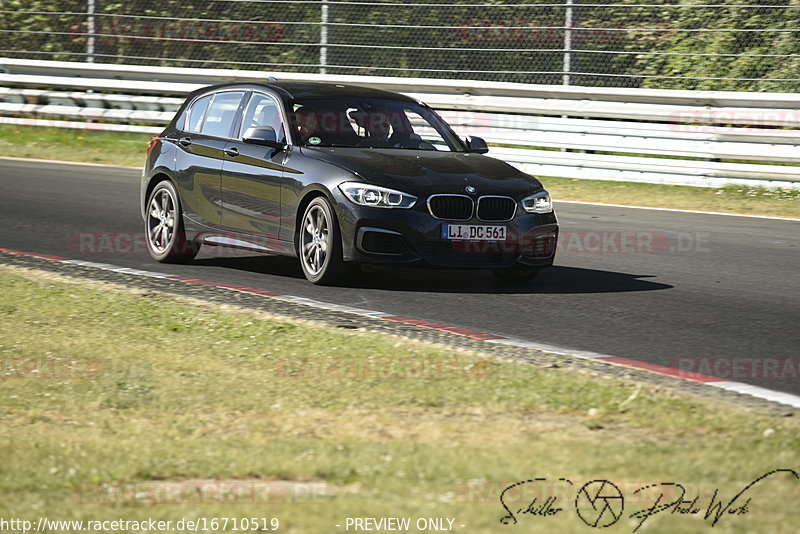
{"x":315,"y":240}
{"x":161,"y":221}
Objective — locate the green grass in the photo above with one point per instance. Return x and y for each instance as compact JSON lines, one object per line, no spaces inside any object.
{"x":129,"y":149}
{"x":111,"y":148}
{"x":162,"y":390}
{"x":728,"y":199}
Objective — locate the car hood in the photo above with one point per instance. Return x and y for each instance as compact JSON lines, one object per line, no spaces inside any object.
{"x":423,"y":172}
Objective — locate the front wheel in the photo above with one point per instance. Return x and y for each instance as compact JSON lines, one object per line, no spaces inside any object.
{"x":516,"y":273}
{"x":166,"y":238}
{"x":320,"y":244}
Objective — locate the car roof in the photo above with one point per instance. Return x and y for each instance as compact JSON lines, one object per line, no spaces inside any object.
{"x":304,"y":90}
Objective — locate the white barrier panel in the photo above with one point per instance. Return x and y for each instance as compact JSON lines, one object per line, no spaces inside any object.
{"x":592,"y":133}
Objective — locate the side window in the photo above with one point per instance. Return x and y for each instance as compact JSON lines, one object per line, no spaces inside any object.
{"x":196,"y":114}
{"x":221,"y":114}
{"x":263,"y":111}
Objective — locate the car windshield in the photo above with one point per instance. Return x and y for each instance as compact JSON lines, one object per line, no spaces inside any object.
{"x":371,"y":123}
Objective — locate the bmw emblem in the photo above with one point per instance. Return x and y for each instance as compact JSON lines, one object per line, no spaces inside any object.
{"x":471,"y":190}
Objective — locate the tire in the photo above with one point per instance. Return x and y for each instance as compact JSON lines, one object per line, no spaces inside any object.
{"x":517,"y":273}
{"x":319,"y":244}
{"x":165,"y":234}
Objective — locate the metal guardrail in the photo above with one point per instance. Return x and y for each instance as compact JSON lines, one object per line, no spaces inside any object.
{"x":89,"y":99}
{"x":641,"y":135}
{"x":201,"y":77}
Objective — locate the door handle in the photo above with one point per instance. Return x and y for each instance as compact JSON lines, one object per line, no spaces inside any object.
{"x":232,"y":151}
{"x":185,"y":141}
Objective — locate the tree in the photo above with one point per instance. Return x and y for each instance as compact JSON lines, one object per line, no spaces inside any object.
{"x":724,"y":48}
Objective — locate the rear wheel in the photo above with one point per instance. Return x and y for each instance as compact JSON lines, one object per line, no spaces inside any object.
{"x":516,"y":273}
{"x":320,"y":244}
{"x":166,"y":238}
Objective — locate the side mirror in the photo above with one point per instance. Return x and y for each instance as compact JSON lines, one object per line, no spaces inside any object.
{"x":264,"y":135}
{"x":477,"y":145}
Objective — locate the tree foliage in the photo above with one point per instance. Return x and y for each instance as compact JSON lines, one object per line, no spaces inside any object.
{"x":745,"y":59}
{"x":614,"y":43}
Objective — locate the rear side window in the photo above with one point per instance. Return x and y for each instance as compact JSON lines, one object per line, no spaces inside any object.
{"x":197,"y":113}
{"x":221,"y":114}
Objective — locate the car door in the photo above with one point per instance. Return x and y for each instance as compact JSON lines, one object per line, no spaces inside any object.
{"x":252,"y":174}
{"x":200,"y":154}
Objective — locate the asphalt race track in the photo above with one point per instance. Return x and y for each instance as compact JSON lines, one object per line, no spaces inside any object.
{"x":720,"y":293}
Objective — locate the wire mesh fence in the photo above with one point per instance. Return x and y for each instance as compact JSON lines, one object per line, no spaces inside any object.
{"x":697,"y":44}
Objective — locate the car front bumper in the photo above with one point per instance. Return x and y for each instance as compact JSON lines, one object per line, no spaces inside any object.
{"x":407,"y":236}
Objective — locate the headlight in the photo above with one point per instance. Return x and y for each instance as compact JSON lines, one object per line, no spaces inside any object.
{"x":376,"y":196}
{"x":538,"y":203}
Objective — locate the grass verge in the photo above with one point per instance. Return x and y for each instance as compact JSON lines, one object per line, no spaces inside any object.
{"x":106,"y":387}
{"x":729,"y":199}
{"x":110,"y":148}
{"x":129,"y":149}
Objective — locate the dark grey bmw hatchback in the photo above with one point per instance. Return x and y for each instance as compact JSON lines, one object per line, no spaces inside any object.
{"x":338,"y":176}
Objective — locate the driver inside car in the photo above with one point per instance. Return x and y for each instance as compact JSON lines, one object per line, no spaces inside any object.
{"x":376,"y":127}
{"x":387,"y":130}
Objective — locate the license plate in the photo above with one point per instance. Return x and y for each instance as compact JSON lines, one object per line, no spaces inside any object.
{"x":473,"y":232}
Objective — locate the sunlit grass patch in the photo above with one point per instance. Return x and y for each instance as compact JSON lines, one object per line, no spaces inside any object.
{"x":730,"y":199}
{"x":113,"y":148}
{"x":157,"y":395}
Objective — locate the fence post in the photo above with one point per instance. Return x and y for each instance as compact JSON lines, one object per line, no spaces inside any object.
{"x":90,"y":31}
{"x":568,"y":18}
{"x":323,"y":39}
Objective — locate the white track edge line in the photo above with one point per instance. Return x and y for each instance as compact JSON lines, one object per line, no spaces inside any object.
{"x":756,"y":391}
{"x":332,"y":306}
{"x":550,"y":348}
{"x":118,"y":269}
